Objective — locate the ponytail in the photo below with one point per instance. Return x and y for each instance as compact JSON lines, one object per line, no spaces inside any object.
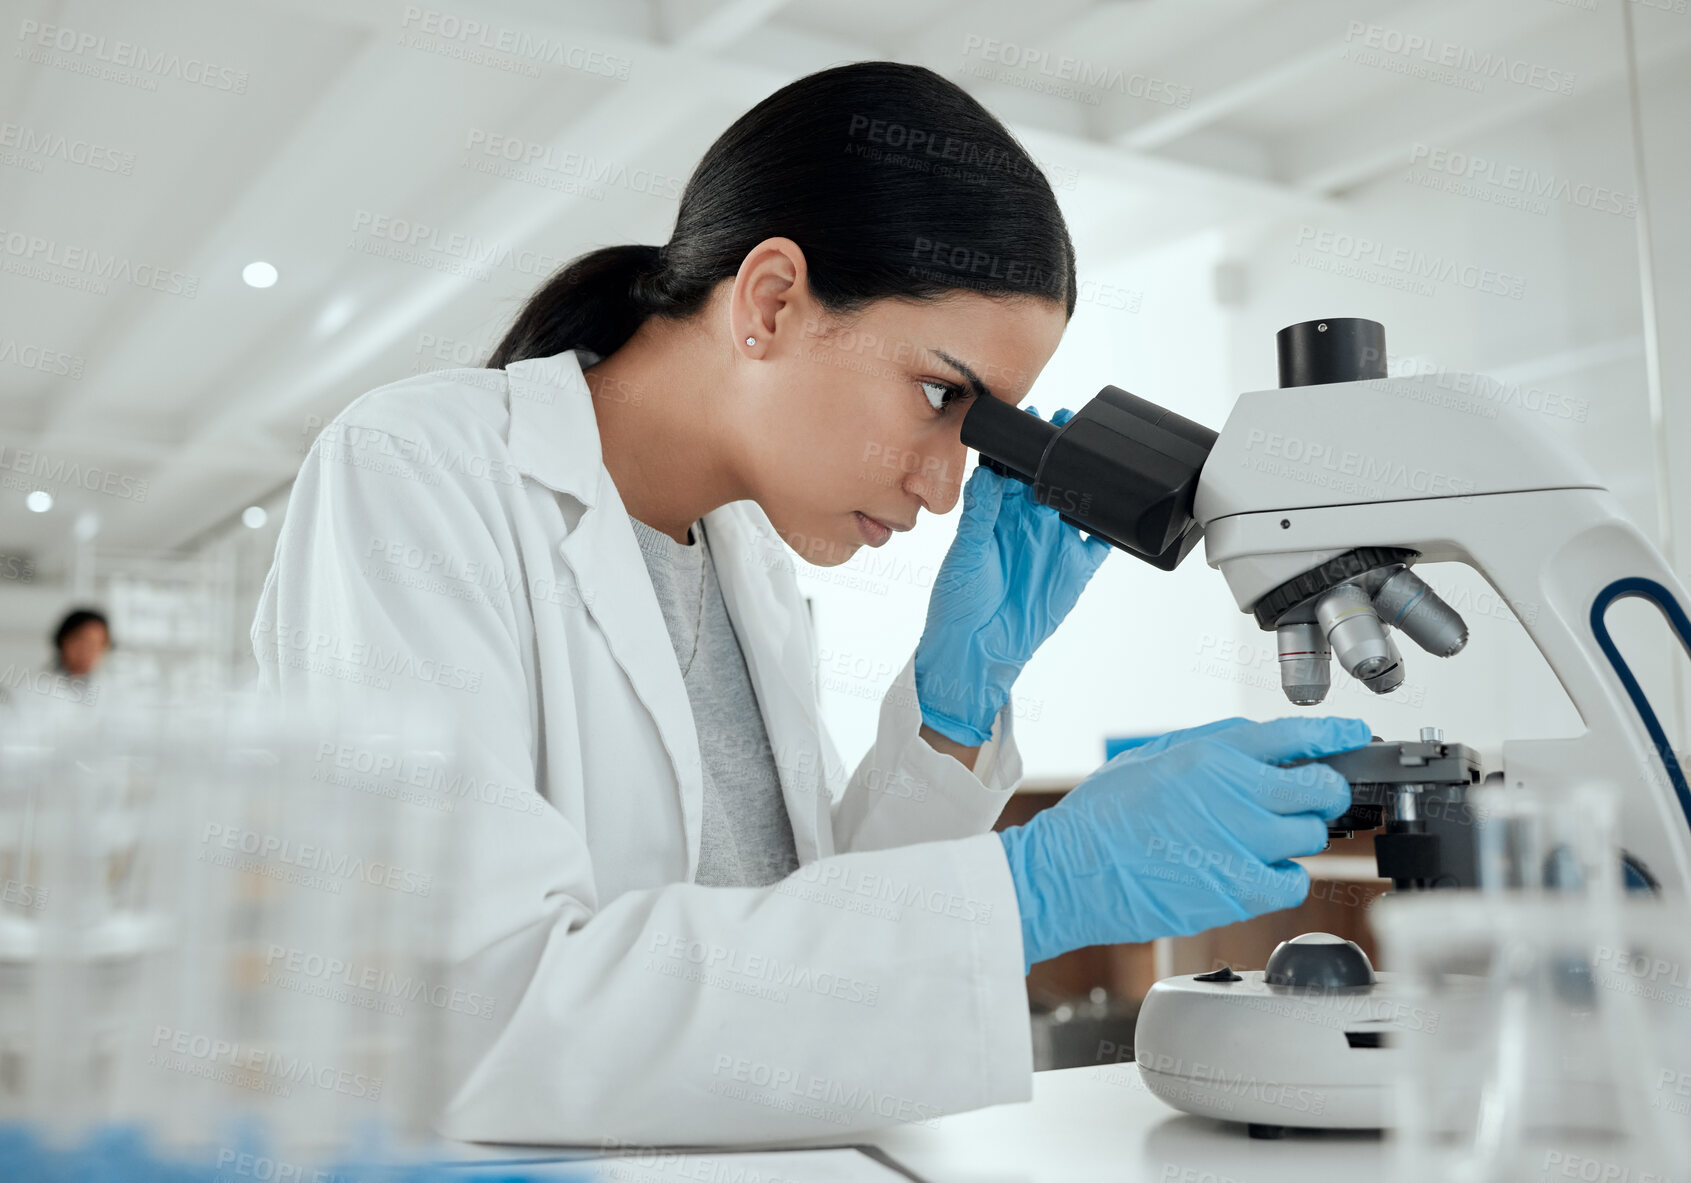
{"x":595,"y":302}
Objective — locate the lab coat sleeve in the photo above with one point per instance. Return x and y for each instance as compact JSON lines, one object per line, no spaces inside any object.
{"x":904,"y":791}
{"x":680,"y":1014}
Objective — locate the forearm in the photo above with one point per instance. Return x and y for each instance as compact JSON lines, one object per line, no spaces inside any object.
{"x":965,"y":756}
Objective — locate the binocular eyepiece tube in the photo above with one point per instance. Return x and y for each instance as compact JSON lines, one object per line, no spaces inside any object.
{"x":1123,"y":468}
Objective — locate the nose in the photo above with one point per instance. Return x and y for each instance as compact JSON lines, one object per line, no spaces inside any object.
{"x":938,"y":481}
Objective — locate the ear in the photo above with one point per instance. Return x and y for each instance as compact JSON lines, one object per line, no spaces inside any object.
{"x":770,"y":297}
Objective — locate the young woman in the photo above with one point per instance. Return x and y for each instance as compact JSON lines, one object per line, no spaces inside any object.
{"x":694,"y":924}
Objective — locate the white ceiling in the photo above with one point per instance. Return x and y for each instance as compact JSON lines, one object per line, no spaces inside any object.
{"x":210,"y":399}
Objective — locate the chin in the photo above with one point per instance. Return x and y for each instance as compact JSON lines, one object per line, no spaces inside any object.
{"x":823,"y":549}
{"x":838,"y":555}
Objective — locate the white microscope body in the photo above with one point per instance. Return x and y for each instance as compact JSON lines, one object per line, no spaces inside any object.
{"x":1307,"y":477}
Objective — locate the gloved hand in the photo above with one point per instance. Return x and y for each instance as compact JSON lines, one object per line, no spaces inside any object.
{"x":1012,"y":573}
{"x":1186,"y":832}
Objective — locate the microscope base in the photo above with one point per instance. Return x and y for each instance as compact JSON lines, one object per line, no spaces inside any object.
{"x":1273,"y":1057}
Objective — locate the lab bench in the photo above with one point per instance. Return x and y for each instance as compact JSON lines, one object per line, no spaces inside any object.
{"x":1100,"y":1124}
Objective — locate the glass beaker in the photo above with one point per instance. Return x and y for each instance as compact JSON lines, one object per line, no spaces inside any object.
{"x":1559,"y":1006}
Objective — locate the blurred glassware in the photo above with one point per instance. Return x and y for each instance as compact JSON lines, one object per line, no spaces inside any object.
{"x":1556,"y":1039}
{"x":218,"y":925}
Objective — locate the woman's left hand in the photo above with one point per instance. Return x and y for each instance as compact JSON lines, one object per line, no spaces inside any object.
{"x":1011,"y":576}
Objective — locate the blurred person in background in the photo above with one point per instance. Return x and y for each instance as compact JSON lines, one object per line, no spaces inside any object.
{"x":81,"y":642}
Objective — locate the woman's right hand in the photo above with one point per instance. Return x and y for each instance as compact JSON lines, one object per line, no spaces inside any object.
{"x":1188,"y":831}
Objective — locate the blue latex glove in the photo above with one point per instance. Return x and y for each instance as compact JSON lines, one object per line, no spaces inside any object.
{"x":1189,"y":831}
{"x":1012,"y":573}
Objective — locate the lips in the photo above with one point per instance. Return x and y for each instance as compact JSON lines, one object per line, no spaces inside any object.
{"x":875,"y":532}
{"x":891,"y":525}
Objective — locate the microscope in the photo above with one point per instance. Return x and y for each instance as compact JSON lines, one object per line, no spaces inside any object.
{"x":1316,"y":501}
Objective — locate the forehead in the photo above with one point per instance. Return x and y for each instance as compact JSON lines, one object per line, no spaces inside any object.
{"x":1006,"y":341}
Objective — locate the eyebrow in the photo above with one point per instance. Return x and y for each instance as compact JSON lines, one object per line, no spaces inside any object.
{"x":980,"y":388}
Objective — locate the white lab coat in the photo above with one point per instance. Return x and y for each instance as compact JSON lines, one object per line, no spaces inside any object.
{"x":882,"y":982}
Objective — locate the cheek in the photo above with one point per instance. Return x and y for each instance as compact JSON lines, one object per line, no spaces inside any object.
{"x":834,"y":437}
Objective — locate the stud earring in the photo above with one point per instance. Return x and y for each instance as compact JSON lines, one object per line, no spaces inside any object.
{"x":751,"y":340}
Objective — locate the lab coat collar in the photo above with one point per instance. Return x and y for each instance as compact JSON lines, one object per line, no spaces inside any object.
{"x":554,"y":438}
{"x":551,"y":439}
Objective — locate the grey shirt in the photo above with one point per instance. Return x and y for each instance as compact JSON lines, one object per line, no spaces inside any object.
{"x":746,"y":838}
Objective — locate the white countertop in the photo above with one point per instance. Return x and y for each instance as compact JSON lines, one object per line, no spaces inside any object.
{"x":1100,"y":1123}
{"x":1084,"y":1125}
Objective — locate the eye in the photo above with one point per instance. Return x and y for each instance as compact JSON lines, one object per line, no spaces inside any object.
{"x":947,"y":394}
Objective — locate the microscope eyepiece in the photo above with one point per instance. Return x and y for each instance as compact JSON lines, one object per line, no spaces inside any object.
{"x":1338,"y":349}
{"x":1123,"y":468}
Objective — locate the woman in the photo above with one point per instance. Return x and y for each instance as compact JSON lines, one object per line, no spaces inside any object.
{"x":696,"y":926}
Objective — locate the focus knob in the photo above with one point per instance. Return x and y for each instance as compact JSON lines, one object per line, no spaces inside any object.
{"x":1321,"y":960}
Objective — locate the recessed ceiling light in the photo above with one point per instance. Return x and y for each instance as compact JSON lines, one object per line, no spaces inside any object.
{"x":253,"y":517}
{"x":259,"y":275}
{"x":39,"y":501}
